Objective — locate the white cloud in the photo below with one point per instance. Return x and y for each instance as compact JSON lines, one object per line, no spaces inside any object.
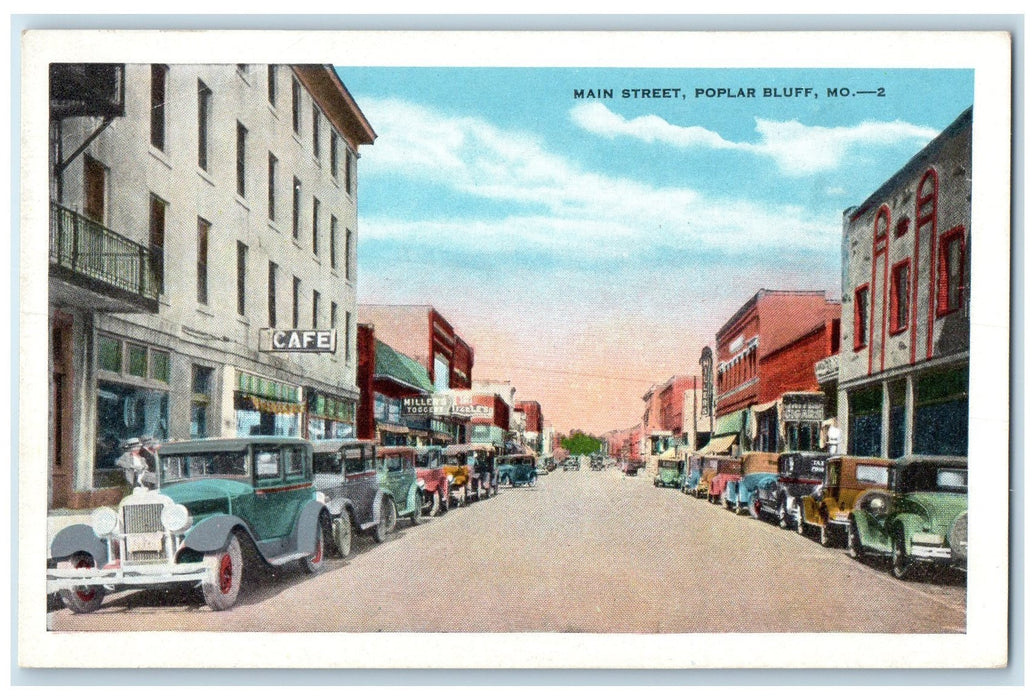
{"x":796,"y":149}
{"x":570,"y":209}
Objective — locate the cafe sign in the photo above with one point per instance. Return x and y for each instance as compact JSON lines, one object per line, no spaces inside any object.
{"x":297,"y":340}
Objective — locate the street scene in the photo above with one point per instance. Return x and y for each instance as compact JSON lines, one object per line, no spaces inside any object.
{"x":334,"y":349}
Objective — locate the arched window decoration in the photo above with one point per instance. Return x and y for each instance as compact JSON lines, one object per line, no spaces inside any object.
{"x":926,"y":199}
{"x":882,"y":223}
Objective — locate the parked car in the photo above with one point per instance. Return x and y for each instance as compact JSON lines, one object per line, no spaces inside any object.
{"x":397,"y":472}
{"x":571,"y":464}
{"x":517,"y":470}
{"x":347,"y":476}
{"x":797,"y":474}
{"x":709,"y":468}
{"x":759,"y":468}
{"x":670,"y":473}
{"x":481,"y":463}
{"x":630,"y":468}
{"x":924,"y":521}
{"x":213,"y":498}
{"x":692,"y":472}
{"x":829,"y":506}
{"x":726,"y":469}
{"x":458,"y":474}
{"x":432,"y":480}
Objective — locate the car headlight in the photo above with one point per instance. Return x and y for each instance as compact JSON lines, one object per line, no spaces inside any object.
{"x":320,"y":496}
{"x":104,"y":521}
{"x":449,"y":478}
{"x":176,"y":518}
{"x":420,"y":483}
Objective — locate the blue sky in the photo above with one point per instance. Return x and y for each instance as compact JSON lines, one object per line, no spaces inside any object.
{"x":589,"y":247}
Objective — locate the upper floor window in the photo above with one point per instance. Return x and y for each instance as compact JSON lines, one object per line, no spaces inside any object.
{"x":159,"y":78}
{"x":271,"y":295}
{"x":862,"y":316}
{"x":348,"y":254}
{"x":899,"y":317}
{"x":882,"y":223}
{"x":271,"y":84}
{"x":203,"y":234}
{"x":156,"y":239}
{"x":271,"y":187}
{"x":951,"y":265}
{"x":350,"y":165}
{"x":316,"y":226}
{"x":334,"y":154}
{"x":296,"y":206}
{"x":296,"y":106}
{"x":242,"y":137}
{"x":242,"y":276}
{"x":316,"y":132}
{"x":333,"y":242}
{"x":204,"y":119}
{"x":296,"y":290}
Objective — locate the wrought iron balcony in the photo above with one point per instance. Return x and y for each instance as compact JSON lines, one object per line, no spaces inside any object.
{"x":119,"y":274}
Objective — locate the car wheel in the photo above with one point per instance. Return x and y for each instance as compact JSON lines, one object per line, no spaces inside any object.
{"x":221,"y":591}
{"x":900,"y":564}
{"x":341,"y":532}
{"x":417,"y":516}
{"x":781,"y":517}
{"x":314,"y":564}
{"x":532,"y":480}
{"x":81,"y":599}
{"x":755,"y":509}
{"x":436,"y":505}
{"x":855,"y":550}
{"x":803,"y":528}
{"x":386,"y":523}
{"x":826,"y":537}
{"x":444,"y":501}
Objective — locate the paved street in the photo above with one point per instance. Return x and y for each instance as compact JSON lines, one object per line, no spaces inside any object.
{"x":580,"y":552}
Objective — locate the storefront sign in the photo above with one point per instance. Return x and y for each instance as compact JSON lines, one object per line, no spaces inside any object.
{"x":472,"y":411}
{"x":803,"y":408}
{"x":827,"y":368}
{"x":434,"y":405}
{"x":277,"y":340}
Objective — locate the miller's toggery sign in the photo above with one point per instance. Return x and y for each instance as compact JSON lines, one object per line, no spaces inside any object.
{"x":296,"y":340}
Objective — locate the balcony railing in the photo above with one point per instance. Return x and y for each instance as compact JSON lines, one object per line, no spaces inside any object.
{"x":102,"y":259}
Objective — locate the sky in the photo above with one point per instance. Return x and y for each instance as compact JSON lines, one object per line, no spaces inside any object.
{"x":589,"y":244}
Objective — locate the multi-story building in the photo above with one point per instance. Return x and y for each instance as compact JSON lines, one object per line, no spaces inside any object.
{"x":533,"y":436}
{"x":663,"y":418}
{"x":767,"y":394}
{"x":905,"y":354}
{"x":196,"y":210}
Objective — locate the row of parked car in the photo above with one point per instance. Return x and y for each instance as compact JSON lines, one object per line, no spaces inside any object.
{"x":287,"y":500}
{"x":912,"y":510}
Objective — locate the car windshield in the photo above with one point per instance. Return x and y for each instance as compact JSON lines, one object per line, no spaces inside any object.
{"x":202,"y":465}
{"x":326,"y":463}
{"x":930,"y":477}
{"x":428,"y":460}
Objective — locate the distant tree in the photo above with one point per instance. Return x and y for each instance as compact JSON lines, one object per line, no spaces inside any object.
{"x":579,"y":443}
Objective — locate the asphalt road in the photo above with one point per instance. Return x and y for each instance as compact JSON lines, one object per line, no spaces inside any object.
{"x":579,"y":552}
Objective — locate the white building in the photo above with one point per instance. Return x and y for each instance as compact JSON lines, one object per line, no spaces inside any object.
{"x":194,"y":208}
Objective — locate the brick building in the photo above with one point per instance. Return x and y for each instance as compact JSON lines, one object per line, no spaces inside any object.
{"x":663,"y":420}
{"x":904,"y":364}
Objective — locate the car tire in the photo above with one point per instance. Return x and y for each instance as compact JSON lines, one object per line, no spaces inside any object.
{"x":755,"y":509}
{"x":534,"y":478}
{"x":444,"y":501}
{"x":782,"y":518}
{"x":386,"y":523}
{"x":315,"y":564}
{"x":436,"y":505}
{"x":855,"y":550}
{"x":81,"y":599}
{"x":900,"y":565}
{"x":341,"y":533}
{"x":228,"y":562}
{"x":803,"y":528}
{"x":826,"y":537}
{"x":417,"y":516}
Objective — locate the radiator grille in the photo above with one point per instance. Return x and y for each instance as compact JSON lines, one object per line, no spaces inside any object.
{"x":143,"y":517}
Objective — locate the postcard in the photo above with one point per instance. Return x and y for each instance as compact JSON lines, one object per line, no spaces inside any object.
{"x":649,"y":350}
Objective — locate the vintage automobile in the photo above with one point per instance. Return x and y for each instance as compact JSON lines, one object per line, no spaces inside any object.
{"x":692,"y":472}
{"x":759,"y":468}
{"x":517,"y":470}
{"x":726,"y":469}
{"x":432,"y":480}
{"x":670,"y":473}
{"x":458,"y":474}
{"x":828,"y":507}
{"x":631,"y":467}
{"x":479,"y":458}
{"x":797,"y":474}
{"x":214,"y":497}
{"x":709,"y":468}
{"x":397,"y":472}
{"x":571,"y":464}
{"x":347,"y":476}
{"x":923,"y":521}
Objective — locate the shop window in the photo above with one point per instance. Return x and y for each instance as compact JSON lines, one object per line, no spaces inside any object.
{"x":899,"y":317}
{"x":109,"y":354}
{"x":940,"y":413}
{"x":864,"y":422}
{"x":125,"y":412}
{"x":201,"y":393}
{"x":137,"y":355}
{"x":862,"y":316}
{"x":160,"y":366}
{"x":897,"y":419}
{"x":951,"y":290}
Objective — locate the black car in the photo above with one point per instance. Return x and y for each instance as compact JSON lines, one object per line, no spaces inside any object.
{"x":799,"y":473}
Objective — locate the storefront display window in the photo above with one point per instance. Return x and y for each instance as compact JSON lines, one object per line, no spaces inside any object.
{"x":864,"y":422}
{"x":940,"y":415}
{"x":125,"y":412}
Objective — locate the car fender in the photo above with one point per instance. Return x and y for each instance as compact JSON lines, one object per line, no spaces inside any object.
{"x":307,"y":526}
{"x":413,"y":499}
{"x":340,"y":505}
{"x":810,"y":511}
{"x":906,"y":524}
{"x":871,"y":534}
{"x":79,"y":538}
{"x":379,"y":498}
{"x":212,"y":534}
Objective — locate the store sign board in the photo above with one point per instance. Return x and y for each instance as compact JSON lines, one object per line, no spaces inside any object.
{"x":803,"y":408}
{"x":297,"y":340}
{"x":434,"y":405}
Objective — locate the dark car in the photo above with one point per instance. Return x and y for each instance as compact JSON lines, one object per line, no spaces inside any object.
{"x":798,"y":474}
{"x":517,"y":470}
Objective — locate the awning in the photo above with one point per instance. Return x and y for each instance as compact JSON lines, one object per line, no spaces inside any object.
{"x":731,"y":423}
{"x":720,"y":445}
{"x":389,"y":428}
{"x":670,"y":455}
{"x":393,"y":365}
{"x":763,"y":407}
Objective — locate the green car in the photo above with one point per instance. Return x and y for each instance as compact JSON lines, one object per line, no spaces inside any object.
{"x":921,"y":519}
{"x":670,"y":473}
{"x":215,"y":498}
{"x":397,"y":474}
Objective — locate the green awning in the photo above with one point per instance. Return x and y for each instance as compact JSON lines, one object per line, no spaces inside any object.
{"x":731,"y":423}
{"x":392,"y":364}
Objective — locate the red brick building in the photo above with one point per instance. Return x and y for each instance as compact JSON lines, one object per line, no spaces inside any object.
{"x":767,"y":394}
{"x":663,"y":420}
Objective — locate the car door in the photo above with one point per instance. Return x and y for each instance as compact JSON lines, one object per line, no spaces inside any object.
{"x":360,"y":480}
{"x":262,"y":513}
{"x":390,"y":471}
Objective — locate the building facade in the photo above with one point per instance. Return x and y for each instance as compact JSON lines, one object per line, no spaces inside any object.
{"x":195,"y":210}
{"x":904,"y":364}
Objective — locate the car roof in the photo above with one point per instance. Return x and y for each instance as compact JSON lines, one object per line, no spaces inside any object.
{"x":324,"y":446}
{"x":227,"y":444}
{"x":933,"y":460}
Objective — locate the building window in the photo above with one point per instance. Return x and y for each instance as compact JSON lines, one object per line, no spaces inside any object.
{"x":296,"y":206}
{"x":203,"y":231}
{"x":242,"y":136}
{"x":201,"y":396}
{"x":902,"y":227}
{"x":296,"y":290}
{"x":951,"y":284}
{"x":204,"y":118}
{"x":334,"y":242}
{"x":159,"y":78}
{"x":316,"y":132}
{"x":242,"y":276}
{"x":334,"y":154}
{"x":862,"y":316}
{"x":271,"y":84}
{"x":349,"y":165}
{"x":882,"y":223}
{"x":156,"y":241}
{"x":271,"y":187}
{"x":109,"y":354}
{"x":899,"y":317}
{"x":316,"y":309}
{"x":316,"y":226}
{"x":271,"y":295}
{"x":296,"y":106}
{"x":242,"y":68}
{"x":334,"y":315}
{"x":95,"y":178}
{"x":136,"y":356}
{"x":348,"y":254}
{"x":348,"y":334}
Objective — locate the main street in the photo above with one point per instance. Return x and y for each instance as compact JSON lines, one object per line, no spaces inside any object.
{"x":581,"y":551}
